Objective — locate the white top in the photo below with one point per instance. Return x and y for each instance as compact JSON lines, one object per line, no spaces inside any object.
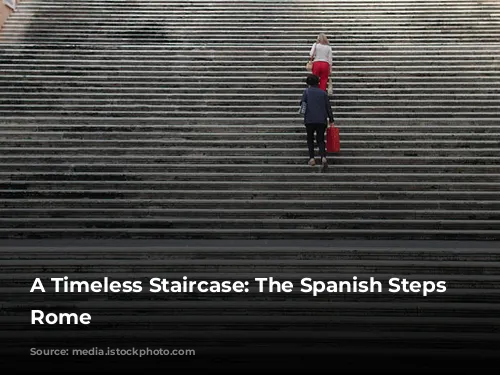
{"x":323,"y":53}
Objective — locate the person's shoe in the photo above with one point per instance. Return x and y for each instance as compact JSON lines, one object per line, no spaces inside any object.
{"x":324,"y":163}
{"x":312,"y":162}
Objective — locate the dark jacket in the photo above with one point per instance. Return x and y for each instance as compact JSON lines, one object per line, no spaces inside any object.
{"x":318,"y":107}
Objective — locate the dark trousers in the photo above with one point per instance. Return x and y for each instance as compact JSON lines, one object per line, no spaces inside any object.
{"x":319,"y":129}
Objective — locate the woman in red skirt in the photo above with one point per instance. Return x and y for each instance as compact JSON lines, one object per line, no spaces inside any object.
{"x":321,"y":57}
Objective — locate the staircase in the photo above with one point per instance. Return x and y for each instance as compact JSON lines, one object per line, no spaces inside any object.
{"x":174,"y":119}
{"x":177,"y":122}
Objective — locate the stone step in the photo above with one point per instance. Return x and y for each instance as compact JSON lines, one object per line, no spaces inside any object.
{"x":289,"y":82}
{"x":477,"y":82}
{"x":149,"y":19}
{"x":253,"y":61}
{"x":446,"y":112}
{"x":285,"y":205}
{"x":190,"y":123}
{"x":360,"y":37}
{"x":265,"y":102}
{"x":30,"y":56}
{"x":171,"y":54}
{"x":265,"y":137}
{"x":404,"y":49}
{"x":212,"y":110}
{"x":295,"y":69}
{"x":196,"y":49}
{"x":251,"y":213}
{"x":226,"y":50}
{"x":454,"y":12}
{"x":344,"y":29}
{"x":283,"y":200}
{"x":337,"y":21}
{"x":205,"y":224}
{"x":285,"y":152}
{"x":341,"y":93}
{"x":244,"y":233}
{"x":373,"y":192}
{"x":253,"y":15}
{"x":342,"y":26}
{"x":103,"y":171}
{"x":293,"y":20}
{"x":238,"y":5}
{"x":316,"y":268}
{"x":306,"y":180}
{"x":15,"y":189}
{"x":450,"y":14}
{"x":463,"y":32}
{"x":370,"y":38}
{"x":411,"y":183}
{"x":206,"y":72}
{"x":293,"y":89}
{"x":457,"y":4}
{"x":431,"y":129}
{"x":342,"y":80}
{"x":92,"y":158}
{"x":254,"y":74}
{"x":441,"y":16}
{"x":348,"y":94}
{"x":343,"y":250}
{"x":435,"y":198}
{"x":195,"y":146}
{"x":222,"y":5}
{"x":321,"y":267}
{"x":242,"y":25}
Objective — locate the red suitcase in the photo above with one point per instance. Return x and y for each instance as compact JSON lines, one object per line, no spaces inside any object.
{"x":332,"y":139}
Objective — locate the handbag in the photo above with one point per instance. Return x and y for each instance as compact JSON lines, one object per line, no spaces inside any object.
{"x":303,"y":108}
{"x":330,"y":86}
{"x":332,"y":139}
{"x":309,"y":65}
{"x":303,"y":104}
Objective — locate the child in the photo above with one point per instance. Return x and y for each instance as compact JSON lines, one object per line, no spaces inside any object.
{"x":317,"y":111}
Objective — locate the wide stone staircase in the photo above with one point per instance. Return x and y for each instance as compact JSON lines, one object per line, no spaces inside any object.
{"x":176,"y":119}
{"x":177,"y":122}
